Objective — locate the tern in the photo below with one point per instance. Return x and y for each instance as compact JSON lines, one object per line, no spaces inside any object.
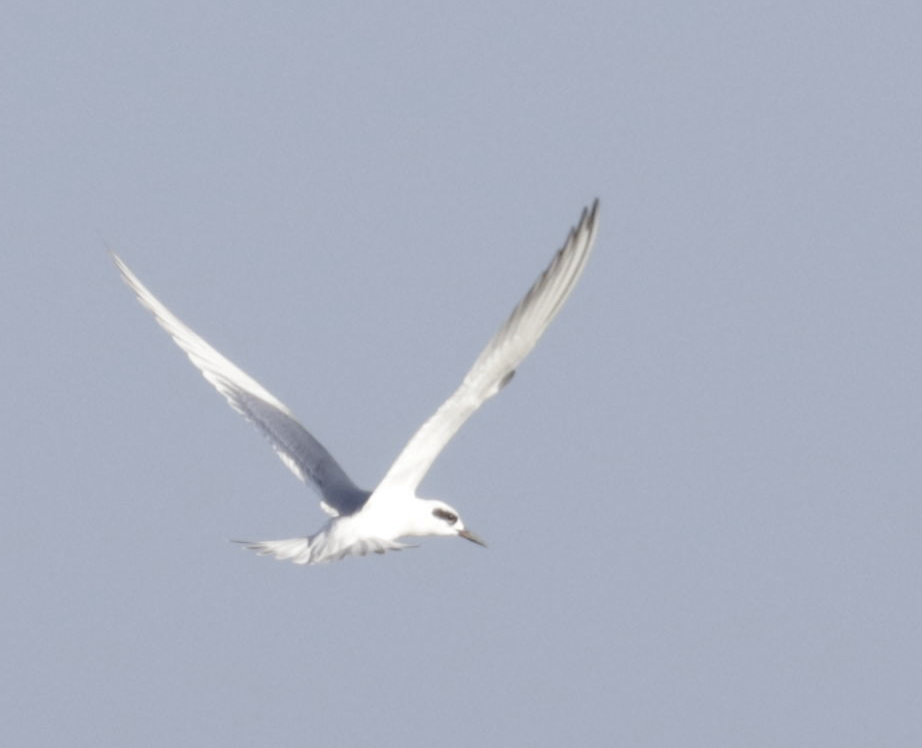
{"x":374,"y":521}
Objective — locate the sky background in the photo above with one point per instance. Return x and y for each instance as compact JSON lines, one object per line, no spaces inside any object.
{"x":702,"y":490}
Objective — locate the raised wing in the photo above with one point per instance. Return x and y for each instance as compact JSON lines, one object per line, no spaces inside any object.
{"x":301,"y":452}
{"x":498,"y":361}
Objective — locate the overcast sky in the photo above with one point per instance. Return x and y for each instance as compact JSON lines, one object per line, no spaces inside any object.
{"x":702,"y":490}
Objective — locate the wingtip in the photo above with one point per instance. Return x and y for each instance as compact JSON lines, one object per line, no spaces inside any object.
{"x":592,"y":211}
{"x":119,"y":264}
{"x":589,"y":222}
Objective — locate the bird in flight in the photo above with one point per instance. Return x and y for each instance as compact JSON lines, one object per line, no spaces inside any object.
{"x":364,"y":521}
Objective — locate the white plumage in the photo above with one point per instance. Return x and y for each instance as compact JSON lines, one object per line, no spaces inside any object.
{"x":374,"y":521}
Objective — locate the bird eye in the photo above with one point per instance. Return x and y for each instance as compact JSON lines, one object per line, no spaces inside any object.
{"x":449,"y":517}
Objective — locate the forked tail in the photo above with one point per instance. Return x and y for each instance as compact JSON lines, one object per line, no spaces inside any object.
{"x":320,"y":548}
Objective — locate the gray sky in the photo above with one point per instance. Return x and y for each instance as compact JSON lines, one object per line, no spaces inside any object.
{"x":702,"y":491}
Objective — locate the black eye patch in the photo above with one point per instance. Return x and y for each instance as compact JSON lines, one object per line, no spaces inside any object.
{"x":449,"y":517}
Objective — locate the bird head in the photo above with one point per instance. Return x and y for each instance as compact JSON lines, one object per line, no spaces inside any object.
{"x":444,"y":520}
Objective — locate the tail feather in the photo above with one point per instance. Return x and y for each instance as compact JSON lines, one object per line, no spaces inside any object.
{"x":297,"y":550}
{"x":319,"y":548}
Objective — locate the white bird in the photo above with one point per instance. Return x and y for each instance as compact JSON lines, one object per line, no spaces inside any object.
{"x":363,"y":521}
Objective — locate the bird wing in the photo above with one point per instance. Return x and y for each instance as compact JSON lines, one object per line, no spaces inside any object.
{"x":302,"y":453}
{"x":498,"y":361}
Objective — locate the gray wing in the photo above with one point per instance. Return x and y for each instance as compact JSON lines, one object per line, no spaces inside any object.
{"x":301,"y":452}
{"x":498,"y":361}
